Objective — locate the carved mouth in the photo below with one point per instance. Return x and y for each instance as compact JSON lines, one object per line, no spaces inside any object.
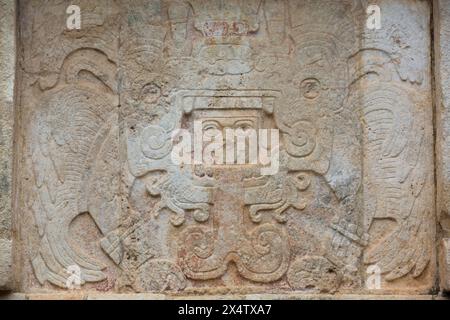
{"x":225,"y":28}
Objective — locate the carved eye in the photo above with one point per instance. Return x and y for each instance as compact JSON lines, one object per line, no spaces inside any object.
{"x":243,"y":124}
{"x":310,"y":88}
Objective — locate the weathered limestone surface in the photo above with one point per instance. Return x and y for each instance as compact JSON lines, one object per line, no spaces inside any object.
{"x":99,"y":192}
{"x":7,"y":72}
{"x":445,"y":264}
{"x":442,"y":67}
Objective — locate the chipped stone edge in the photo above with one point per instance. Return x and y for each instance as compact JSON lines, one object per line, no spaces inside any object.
{"x":7,"y":80}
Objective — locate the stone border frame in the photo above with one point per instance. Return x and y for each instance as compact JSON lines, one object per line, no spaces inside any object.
{"x":441,"y":17}
{"x":7,"y":80}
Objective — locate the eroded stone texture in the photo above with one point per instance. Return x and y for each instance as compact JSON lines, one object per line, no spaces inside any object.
{"x":354,"y":188}
{"x":7,"y":72}
{"x":445,"y":264}
{"x":442,"y":52}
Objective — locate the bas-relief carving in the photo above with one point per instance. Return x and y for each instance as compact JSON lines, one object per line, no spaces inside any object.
{"x":395,"y":102}
{"x":7,"y":77}
{"x":355,"y":174}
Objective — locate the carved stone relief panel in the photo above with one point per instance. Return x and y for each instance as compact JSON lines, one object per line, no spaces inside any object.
{"x":353,"y":187}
